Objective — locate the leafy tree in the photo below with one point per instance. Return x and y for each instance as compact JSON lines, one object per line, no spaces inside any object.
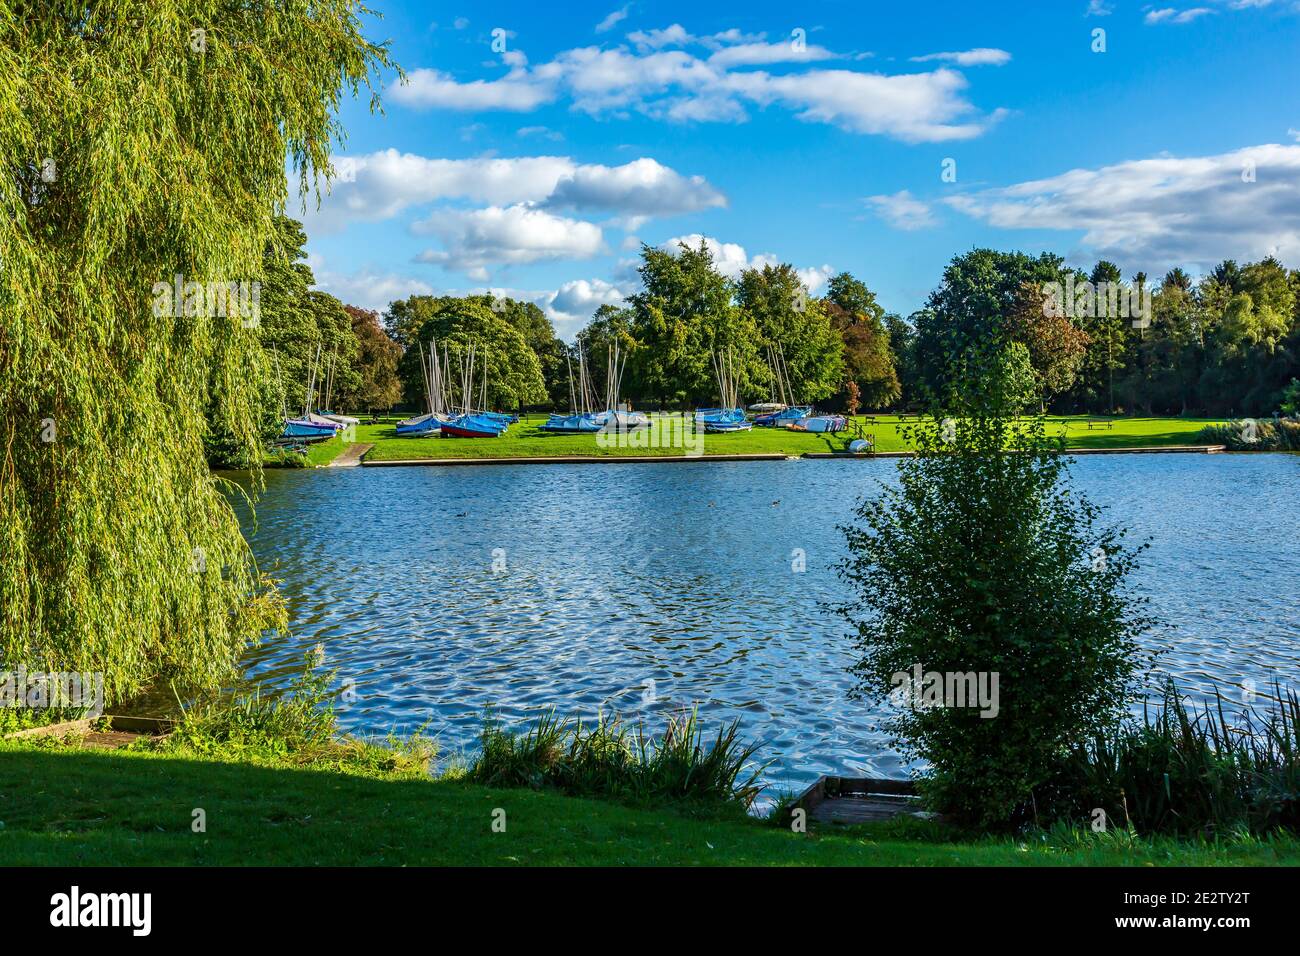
{"x":133,"y":158}
{"x":407,"y":321}
{"x":869,"y":358}
{"x":608,"y":326}
{"x":682,"y":315}
{"x":902,"y":351}
{"x":1290,"y":404}
{"x":379,"y":386}
{"x":788,"y":319}
{"x":984,"y":561}
{"x":514,"y":374}
{"x":301,"y":327}
{"x":971,"y":309}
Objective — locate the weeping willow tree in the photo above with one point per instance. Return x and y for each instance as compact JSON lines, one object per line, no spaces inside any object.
{"x":143,"y":147}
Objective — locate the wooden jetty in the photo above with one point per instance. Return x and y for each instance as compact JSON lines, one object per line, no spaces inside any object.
{"x":850,"y":800}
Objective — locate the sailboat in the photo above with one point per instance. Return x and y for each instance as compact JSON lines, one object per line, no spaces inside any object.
{"x":820,"y":423}
{"x":430,"y":423}
{"x":781,"y":412}
{"x":581,"y":419}
{"x":310,"y":426}
{"x":346,"y":421}
{"x":471,"y":423}
{"x":616,"y":417}
{"x":730,"y":417}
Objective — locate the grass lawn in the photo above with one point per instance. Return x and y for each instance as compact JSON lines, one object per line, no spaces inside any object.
{"x":318,"y":454}
{"x":61,"y":805}
{"x":525,"y":440}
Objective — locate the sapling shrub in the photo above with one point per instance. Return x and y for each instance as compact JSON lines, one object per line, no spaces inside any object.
{"x":993,"y":618}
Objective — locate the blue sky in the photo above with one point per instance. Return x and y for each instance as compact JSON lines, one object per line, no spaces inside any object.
{"x":536,"y":145}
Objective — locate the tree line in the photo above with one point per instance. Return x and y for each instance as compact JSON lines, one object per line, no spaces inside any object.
{"x":1225,"y":345}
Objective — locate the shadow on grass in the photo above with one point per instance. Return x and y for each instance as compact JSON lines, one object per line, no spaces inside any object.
{"x":69,"y":807}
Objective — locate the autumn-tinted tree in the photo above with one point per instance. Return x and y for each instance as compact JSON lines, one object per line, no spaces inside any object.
{"x":859,"y":320}
{"x":377,"y":358}
{"x":1054,"y":344}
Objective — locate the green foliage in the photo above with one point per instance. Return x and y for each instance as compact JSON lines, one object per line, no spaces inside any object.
{"x":983,"y":559}
{"x":1290,"y":404}
{"x":24,"y":718}
{"x":497,"y":328}
{"x":1183,"y":772}
{"x":609,"y":760}
{"x":135,"y":158}
{"x":972,"y":310}
{"x":682,"y":315}
{"x":786,"y":317}
{"x":1282,"y":434}
{"x":297,"y":327}
{"x":297,"y":726}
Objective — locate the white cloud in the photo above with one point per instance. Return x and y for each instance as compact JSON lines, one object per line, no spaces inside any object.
{"x":662,"y":79}
{"x":636,"y":190}
{"x":477,"y":238}
{"x":757,"y":54}
{"x":367,"y":288}
{"x":903,"y":211}
{"x":729,"y":258}
{"x":378,"y":186}
{"x":543,"y":131}
{"x":381,"y":185}
{"x":580,"y":298}
{"x":675,"y":35}
{"x":1170,"y":15}
{"x":814,"y":277}
{"x":612,"y":20}
{"x":1098,"y":8}
{"x":981,"y":56}
{"x":1294,"y":134}
{"x":517,"y":91}
{"x":915,"y":108}
{"x":1165,"y":211}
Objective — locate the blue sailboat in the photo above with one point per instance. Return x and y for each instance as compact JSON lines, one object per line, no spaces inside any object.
{"x":430,"y":423}
{"x":785,"y":417}
{"x":730,"y":417}
{"x":309,"y":426}
{"x":475,"y":423}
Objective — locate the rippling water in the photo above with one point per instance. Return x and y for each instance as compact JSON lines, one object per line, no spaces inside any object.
{"x":642,"y":589}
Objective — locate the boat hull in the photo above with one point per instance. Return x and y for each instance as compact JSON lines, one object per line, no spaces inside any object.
{"x":302,"y":428}
{"x":473,"y":426}
{"x":822,"y":423}
{"x":421,"y":427}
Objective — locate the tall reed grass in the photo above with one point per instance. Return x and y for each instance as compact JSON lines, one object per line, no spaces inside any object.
{"x":1187,"y":771}
{"x":1263,"y":434}
{"x":612,"y":760}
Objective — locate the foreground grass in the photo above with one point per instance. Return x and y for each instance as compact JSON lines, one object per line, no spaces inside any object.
{"x":61,"y":805}
{"x":525,"y":440}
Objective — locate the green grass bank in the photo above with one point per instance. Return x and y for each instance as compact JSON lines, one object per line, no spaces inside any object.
{"x":64,"y":805}
{"x":526,"y":440}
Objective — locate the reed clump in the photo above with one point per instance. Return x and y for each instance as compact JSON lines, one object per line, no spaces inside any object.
{"x":610,"y":759}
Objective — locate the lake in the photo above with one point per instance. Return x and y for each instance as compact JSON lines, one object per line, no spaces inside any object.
{"x":644,"y":589}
